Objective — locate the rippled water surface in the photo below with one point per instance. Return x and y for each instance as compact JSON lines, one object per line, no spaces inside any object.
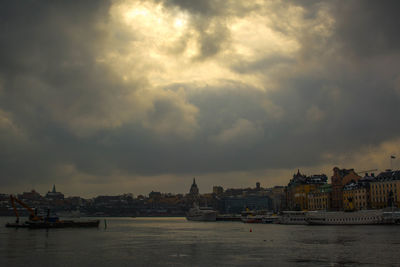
{"x":177,"y":242}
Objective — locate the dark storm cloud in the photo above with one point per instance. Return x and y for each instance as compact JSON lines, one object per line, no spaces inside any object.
{"x":48,"y":71}
{"x":60,"y":105}
{"x":368,"y":28}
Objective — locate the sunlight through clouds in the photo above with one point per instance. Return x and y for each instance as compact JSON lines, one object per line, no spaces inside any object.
{"x":175,"y":88}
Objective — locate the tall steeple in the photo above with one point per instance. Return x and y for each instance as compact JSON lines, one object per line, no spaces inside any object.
{"x":54,"y":189}
{"x":194,"y":190}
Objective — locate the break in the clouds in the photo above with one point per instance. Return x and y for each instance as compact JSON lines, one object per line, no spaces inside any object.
{"x":133,"y":96}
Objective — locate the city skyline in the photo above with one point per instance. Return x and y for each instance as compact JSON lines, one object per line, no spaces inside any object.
{"x":133,"y":96}
{"x":257,"y":184}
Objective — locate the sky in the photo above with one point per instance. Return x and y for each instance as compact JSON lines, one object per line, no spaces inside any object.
{"x":109,"y":97}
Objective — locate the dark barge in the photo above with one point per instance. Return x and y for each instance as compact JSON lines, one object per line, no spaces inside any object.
{"x":41,"y":222}
{"x":56,"y":224}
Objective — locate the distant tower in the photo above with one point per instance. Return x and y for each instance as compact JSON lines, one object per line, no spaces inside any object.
{"x":194,"y":190}
{"x":54,"y":189}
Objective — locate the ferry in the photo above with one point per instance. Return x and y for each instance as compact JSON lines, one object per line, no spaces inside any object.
{"x":352,"y":217}
{"x":254,"y":216}
{"x":201,"y":214}
{"x":293,"y":217}
{"x":270,"y":219}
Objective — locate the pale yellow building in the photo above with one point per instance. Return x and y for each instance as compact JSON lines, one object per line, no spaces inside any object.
{"x":356,"y":197}
{"x":320,"y":199}
{"x":299,"y":187}
{"x":384,"y":192}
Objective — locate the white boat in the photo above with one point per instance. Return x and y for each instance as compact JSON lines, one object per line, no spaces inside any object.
{"x":352,"y":217}
{"x":293,"y":217}
{"x":201,"y":214}
{"x":258,"y":216}
{"x":270,"y":219}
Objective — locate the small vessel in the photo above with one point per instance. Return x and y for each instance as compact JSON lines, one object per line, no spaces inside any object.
{"x":352,"y":217}
{"x":36,"y":221}
{"x":204,"y":214}
{"x":253,"y":216}
{"x":56,"y":224}
{"x":293,"y":217}
{"x":270,"y":219}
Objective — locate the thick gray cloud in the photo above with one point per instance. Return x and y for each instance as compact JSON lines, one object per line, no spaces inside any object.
{"x":67,"y":112}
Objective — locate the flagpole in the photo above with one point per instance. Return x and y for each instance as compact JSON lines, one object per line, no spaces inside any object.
{"x":391,"y":161}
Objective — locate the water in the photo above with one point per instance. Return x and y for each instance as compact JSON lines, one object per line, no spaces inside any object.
{"x":177,"y":242}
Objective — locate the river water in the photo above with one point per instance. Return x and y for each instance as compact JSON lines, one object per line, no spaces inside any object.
{"x":177,"y":242}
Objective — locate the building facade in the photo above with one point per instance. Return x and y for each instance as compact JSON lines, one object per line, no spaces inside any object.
{"x":320,"y":199}
{"x":385,"y":190}
{"x":339,"y":179}
{"x":356,"y":197}
{"x":299,"y":187}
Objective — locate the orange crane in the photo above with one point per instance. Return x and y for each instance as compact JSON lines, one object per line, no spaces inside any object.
{"x":33,"y":216}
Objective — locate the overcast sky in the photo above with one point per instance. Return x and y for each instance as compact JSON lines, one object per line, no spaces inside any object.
{"x":112,"y":97}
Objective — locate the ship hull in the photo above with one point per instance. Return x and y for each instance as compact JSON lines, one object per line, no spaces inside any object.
{"x":211,"y":217}
{"x":293,"y":217}
{"x":59,"y":224}
{"x":367,"y":217}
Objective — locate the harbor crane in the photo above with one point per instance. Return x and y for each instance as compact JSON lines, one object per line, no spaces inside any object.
{"x":33,"y":215}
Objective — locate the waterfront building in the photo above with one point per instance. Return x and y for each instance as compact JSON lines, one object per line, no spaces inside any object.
{"x":54,"y":195}
{"x":258,"y":186}
{"x":299,"y":187}
{"x":339,"y":179}
{"x":385,"y":190}
{"x":320,"y":198}
{"x":155,"y":195}
{"x":237,"y":204}
{"x":30,"y":196}
{"x":356,"y":196}
{"x":277,"y":195}
{"x":218,"y":190}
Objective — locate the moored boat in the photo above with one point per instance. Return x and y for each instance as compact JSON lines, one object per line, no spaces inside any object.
{"x":201,"y":214}
{"x":270,"y":219}
{"x":361,"y":217}
{"x":293,"y":217}
{"x":36,"y":221}
{"x":57,"y":224}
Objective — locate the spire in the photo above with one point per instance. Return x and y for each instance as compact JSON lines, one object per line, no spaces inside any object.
{"x":298,"y":171}
{"x":194,"y":190}
{"x":54,"y":188}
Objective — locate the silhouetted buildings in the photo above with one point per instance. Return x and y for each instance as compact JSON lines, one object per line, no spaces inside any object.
{"x":299,"y":187}
{"x":347,"y":191}
{"x":54,"y":195}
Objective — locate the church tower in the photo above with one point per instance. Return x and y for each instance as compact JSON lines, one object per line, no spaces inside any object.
{"x":194,"y":190}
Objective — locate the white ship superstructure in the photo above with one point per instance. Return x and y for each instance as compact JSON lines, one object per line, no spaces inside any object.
{"x":201,"y":214}
{"x":351,"y":218}
{"x":293,"y":217}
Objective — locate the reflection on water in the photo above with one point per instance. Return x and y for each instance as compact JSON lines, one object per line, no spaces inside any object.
{"x":177,"y":242}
